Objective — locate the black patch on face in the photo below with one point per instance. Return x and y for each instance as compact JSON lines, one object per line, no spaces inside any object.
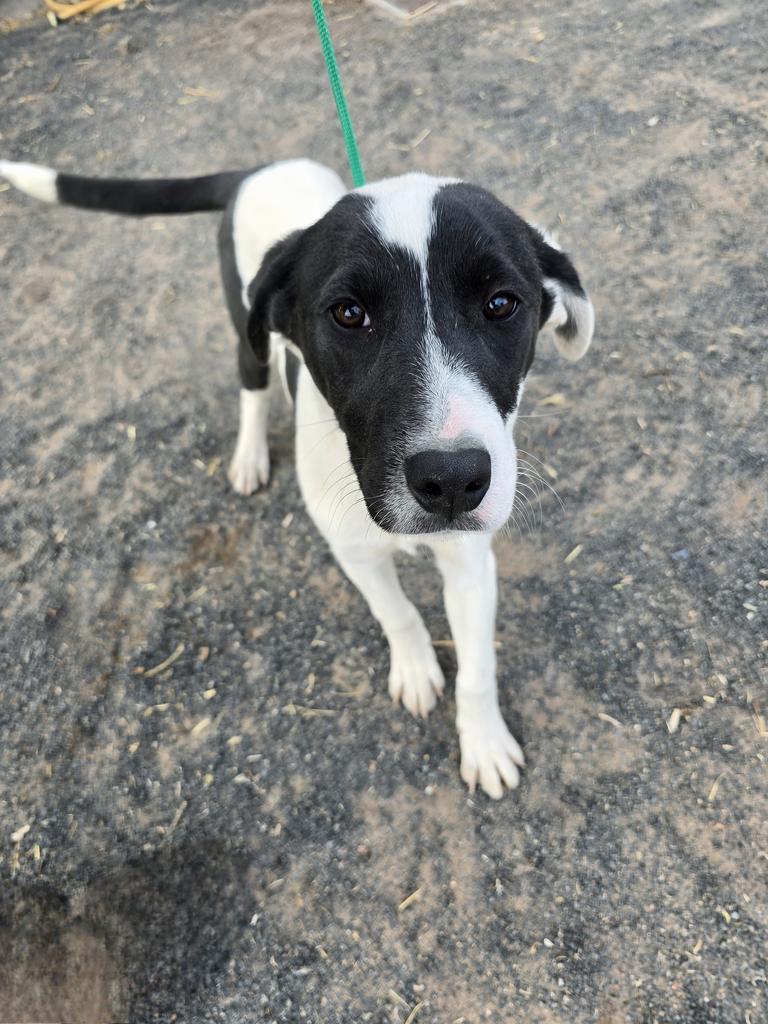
{"x":370,"y":375}
{"x":479,"y":248}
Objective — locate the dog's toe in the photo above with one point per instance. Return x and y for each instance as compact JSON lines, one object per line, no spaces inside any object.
{"x":415,"y":678}
{"x":490,"y":755}
{"x":249,"y":471}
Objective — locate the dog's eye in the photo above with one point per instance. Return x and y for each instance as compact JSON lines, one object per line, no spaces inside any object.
{"x":350,"y":314}
{"x":500,"y":307}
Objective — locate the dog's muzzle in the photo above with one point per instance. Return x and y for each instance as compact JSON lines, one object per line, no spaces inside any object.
{"x":449,"y":483}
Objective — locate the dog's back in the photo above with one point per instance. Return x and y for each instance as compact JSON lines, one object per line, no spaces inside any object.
{"x":276,"y":200}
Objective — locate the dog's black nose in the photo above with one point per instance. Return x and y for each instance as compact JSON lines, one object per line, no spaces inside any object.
{"x":449,"y":483}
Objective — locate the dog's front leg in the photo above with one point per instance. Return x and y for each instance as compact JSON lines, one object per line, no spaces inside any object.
{"x":249,"y":468}
{"x":490,"y":754}
{"x":414,"y":674}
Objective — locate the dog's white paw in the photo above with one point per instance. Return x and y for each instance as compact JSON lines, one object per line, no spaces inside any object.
{"x":415,"y":678}
{"x":490,"y":754}
{"x":249,"y":468}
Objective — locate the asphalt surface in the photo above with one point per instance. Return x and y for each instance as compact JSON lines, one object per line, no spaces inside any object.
{"x":231,"y":838}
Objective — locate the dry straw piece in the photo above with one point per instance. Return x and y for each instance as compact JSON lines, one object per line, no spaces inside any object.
{"x":408,"y":901}
{"x":412,"y":1015}
{"x":62,"y":11}
{"x":674,"y":720}
{"x":151,"y":672}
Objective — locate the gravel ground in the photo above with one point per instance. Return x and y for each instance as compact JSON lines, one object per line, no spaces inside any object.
{"x":231,"y":838}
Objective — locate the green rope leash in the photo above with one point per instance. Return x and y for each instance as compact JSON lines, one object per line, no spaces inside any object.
{"x":358,"y":177}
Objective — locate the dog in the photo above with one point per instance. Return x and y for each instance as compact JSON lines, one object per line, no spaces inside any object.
{"x":402,"y":318}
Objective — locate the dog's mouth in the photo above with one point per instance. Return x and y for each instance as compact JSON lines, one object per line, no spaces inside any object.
{"x":414,"y":522}
{"x":439,"y":491}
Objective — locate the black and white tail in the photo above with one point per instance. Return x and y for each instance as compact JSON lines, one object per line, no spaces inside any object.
{"x":125,"y":195}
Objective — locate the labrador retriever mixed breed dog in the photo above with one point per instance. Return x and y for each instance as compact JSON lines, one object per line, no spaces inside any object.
{"x":402,"y":318}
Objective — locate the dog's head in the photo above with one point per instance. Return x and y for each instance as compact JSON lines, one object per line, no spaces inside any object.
{"x":416,"y":303}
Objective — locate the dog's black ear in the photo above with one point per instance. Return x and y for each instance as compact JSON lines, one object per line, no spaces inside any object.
{"x":564,"y":303}
{"x":271,"y":295}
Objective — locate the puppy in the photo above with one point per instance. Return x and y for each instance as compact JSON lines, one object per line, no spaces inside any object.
{"x":402,"y":318}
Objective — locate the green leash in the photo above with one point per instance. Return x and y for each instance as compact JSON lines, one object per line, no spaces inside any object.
{"x":358,"y":177}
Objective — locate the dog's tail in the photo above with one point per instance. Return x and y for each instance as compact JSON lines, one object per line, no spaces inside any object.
{"x":135,"y":197}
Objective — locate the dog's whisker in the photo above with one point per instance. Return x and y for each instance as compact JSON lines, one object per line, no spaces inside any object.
{"x":533,"y":474}
{"x":337,"y":498}
{"x":527,"y":487}
{"x":354,"y":503}
{"x":529,"y":455}
{"x":318,"y":423}
{"x":345,"y":487}
{"x":506,"y":529}
{"x":523,"y":512}
{"x":329,"y":483}
{"x":348,"y":491}
{"x":322,"y":440}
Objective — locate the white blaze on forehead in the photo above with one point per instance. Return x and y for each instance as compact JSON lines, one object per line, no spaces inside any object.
{"x":403,"y":211}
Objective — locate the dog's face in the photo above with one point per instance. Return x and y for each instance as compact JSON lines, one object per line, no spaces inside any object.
{"x":416,"y":303}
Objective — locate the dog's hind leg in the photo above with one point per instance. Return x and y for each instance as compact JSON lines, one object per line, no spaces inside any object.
{"x":249,"y":468}
{"x":414,"y":674}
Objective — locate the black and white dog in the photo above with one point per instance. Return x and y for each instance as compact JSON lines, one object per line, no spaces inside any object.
{"x":402,"y":318}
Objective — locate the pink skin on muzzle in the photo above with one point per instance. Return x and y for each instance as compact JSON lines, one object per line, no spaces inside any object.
{"x":458,"y":419}
{"x":461,"y":418}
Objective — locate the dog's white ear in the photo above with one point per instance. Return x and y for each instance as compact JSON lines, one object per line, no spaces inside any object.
{"x":271,"y":295}
{"x":565,"y":305}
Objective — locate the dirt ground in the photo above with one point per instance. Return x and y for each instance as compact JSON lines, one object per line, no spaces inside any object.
{"x":231,"y":838}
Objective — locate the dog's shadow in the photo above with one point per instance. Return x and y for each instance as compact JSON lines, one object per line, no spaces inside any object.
{"x":140,"y":942}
